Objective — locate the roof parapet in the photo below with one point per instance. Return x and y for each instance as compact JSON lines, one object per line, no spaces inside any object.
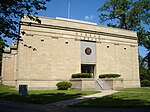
{"x":72,"y":20}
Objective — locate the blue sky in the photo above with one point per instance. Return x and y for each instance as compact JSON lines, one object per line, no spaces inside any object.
{"x":85,"y":10}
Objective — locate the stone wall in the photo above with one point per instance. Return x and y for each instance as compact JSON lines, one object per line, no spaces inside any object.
{"x":114,"y":83}
{"x":121,"y":59}
{"x":83,"y":84}
{"x":51,"y":51}
{"x":9,"y":64}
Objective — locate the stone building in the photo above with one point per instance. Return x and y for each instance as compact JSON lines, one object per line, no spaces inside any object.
{"x":57,"y":48}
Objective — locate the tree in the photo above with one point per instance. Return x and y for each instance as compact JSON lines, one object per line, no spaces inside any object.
{"x":11,"y":12}
{"x":144,"y":72}
{"x":126,"y":14}
{"x":131,"y":15}
{"x":144,"y":40}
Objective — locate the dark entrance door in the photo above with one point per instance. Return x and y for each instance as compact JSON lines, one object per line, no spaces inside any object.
{"x":87,"y":68}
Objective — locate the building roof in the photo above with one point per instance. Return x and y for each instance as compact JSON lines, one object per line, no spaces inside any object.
{"x":80,"y":26}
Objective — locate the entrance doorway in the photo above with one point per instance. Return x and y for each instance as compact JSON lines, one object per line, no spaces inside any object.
{"x":87,"y":68}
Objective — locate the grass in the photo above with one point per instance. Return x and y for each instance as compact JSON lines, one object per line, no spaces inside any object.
{"x":136,"y":97}
{"x":9,"y":93}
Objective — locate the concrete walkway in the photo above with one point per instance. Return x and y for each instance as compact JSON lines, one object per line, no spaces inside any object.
{"x":82,"y":99}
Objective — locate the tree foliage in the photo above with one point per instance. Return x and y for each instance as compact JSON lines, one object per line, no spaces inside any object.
{"x":11,"y":12}
{"x":144,"y":72}
{"x":126,"y":14}
{"x":143,"y":68}
{"x":131,"y":15}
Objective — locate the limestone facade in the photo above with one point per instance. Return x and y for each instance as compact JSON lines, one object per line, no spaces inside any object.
{"x":51,"y":52}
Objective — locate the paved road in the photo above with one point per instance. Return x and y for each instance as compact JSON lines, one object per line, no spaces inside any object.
{"x":22,"y":107}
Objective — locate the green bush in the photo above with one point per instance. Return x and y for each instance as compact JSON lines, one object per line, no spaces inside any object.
{"x":82,"y":75}
{"x":109,"y":75}
{"x":64,"y":85}
{"x":145,"y":83}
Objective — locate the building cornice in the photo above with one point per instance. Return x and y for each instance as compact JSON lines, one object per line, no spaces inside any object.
{"x":77,"y":30}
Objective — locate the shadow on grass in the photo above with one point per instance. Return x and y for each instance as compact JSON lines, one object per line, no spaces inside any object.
{"x":37,"y":98}
{"x":112,"y":101}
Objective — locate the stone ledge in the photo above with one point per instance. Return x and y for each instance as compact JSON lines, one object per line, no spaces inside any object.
{"x":82,"y":79}
{"x":83,"y":84}
{"x":114,"y":83}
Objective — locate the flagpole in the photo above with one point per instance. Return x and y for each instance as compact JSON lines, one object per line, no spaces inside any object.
{"x":68,"y":10}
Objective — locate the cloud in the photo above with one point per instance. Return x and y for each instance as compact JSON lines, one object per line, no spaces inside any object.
{"x":89,"y":17}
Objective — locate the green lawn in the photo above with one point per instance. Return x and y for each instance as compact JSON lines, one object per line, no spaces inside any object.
{"x":136,"y":97}
{"x":8,"y":93}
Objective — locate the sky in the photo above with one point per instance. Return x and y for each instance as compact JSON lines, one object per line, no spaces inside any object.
{"x":84,"y":10}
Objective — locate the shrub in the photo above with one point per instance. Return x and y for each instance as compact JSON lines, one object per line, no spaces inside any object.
{"x":109,"y":75}
{"x":82,"y":75}
{"x":63,"y":85}
{"x":145,"y":83}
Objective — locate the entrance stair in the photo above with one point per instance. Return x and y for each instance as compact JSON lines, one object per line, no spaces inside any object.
{"x":101,"y":85}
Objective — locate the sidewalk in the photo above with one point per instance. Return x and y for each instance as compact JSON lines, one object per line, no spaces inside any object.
{"x":81,"y":99}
